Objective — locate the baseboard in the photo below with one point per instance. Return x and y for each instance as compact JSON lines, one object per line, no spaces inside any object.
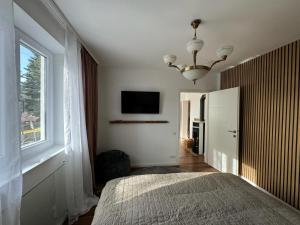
{"x":268,"y":193}
{"x":154,"y":164}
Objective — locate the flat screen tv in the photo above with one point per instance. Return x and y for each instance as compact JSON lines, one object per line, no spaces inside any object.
{"x":140,"y":102}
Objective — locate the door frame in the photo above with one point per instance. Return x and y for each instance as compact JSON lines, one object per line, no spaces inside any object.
{"x":206,"y":128}
{"x":179,"y":119}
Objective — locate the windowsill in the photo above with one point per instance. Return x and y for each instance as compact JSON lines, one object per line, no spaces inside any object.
{"x":40,"y":158}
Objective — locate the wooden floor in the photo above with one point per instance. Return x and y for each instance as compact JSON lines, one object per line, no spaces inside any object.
{"x":187,"y":161}
{"x":192,"y":162}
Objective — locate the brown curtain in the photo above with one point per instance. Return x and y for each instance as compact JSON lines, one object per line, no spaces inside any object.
{"x":90,"y":89}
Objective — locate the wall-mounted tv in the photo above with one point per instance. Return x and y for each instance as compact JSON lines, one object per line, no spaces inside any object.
{"x":140,"y":102}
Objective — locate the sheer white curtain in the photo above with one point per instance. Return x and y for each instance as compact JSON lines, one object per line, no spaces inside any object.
{"x":79,"y":184}
{"x":10,"y":165}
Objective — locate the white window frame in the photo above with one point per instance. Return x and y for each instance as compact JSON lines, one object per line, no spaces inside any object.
{"x":34,"y":149}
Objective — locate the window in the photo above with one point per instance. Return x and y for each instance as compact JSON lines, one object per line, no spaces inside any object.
{"x":34,"y":67}
{"x":32,"y":95}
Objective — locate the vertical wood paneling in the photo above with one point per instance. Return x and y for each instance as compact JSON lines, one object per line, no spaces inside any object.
{"x":291,"y":124}
{"x":277,"y":118}
{"x":256,"y":118}
{"x":260,"y":119}
{"x":295,"y":120}
{"x":269,"y":120}
{"x":285,"y":124}
{"x":264,"y":114}
{"x":250,"y":115}
{"x":281,"y":109}
{"x":297,"y":161}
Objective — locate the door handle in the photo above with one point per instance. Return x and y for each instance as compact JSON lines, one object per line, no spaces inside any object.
{"x":232,"y":131}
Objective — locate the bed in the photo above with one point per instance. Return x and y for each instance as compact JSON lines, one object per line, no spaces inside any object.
{"x":189,"y":198}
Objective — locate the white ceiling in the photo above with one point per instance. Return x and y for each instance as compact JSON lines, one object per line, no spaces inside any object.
{"x":137,"y":33}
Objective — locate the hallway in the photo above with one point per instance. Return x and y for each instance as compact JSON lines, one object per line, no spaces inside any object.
{"x":191,"y":162}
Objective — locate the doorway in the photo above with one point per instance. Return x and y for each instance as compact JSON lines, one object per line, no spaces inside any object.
{"x":192,"y":126}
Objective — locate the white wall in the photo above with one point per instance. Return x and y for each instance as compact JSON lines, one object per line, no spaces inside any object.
{"x":146,"y":144}
{"x":44,"y":199}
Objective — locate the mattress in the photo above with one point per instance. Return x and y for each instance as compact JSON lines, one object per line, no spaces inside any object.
{"x":189,"y":198}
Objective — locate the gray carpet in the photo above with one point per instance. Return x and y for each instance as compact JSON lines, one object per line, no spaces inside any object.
{"x":156,"y":170}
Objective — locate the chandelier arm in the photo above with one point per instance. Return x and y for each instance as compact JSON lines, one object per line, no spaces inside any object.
{"x":174,"y":66}
{"x":218,"y":61}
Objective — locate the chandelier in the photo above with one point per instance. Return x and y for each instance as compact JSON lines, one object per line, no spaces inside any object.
{"x":195,"y":72}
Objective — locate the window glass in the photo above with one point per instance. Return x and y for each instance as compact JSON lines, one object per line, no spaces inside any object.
{"x":32,"y":95}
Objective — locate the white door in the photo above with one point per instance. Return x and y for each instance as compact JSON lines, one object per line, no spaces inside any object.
{"x":223,"y":130}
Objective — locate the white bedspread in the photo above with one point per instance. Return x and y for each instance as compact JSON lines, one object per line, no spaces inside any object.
{"x":189,"y":198}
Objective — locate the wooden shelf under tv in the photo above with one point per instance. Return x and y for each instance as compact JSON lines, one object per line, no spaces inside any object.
{"x":137,"y":121}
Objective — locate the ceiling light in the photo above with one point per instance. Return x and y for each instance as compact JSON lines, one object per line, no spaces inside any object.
{"x":196,"y":72}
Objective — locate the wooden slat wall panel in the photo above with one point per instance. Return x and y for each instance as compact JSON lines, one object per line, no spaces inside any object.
{"x":297,"y":153}
{"x":269,"y":120}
